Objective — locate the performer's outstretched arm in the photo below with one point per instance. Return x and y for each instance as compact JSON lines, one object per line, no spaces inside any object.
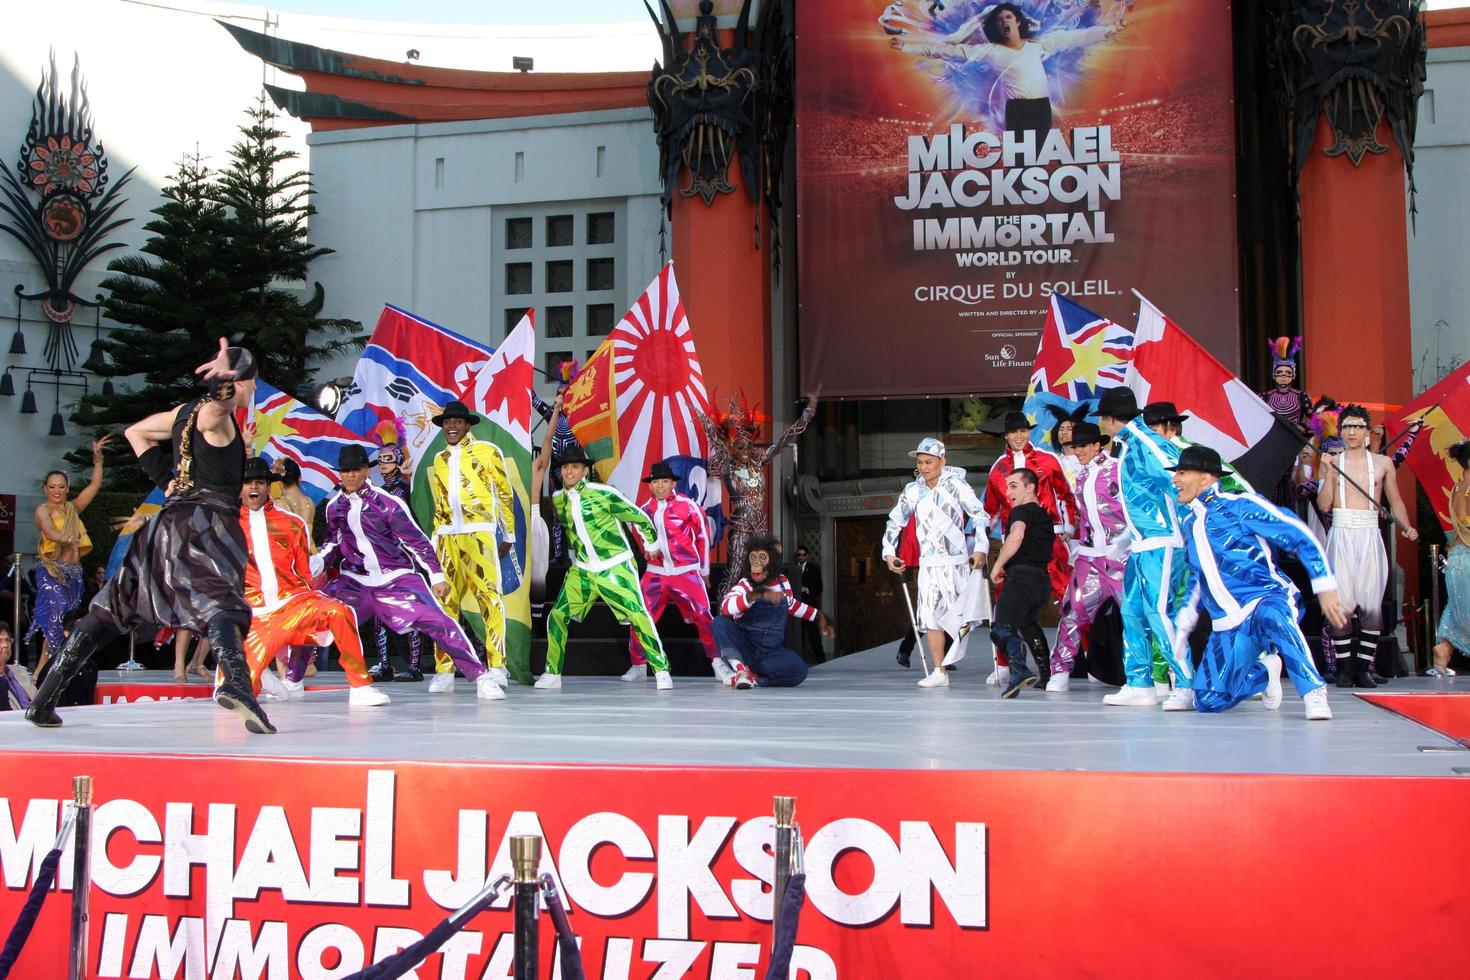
{"x":89,"y":492}
{"x":542,"y":462}
{"x":796,"y":429}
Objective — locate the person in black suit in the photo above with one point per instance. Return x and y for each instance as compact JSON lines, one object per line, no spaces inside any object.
{"x":808,"y":583}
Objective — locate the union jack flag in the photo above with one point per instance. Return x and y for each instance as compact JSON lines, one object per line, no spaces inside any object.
{"x":1080,"y":354}
{"x":287,"y":427}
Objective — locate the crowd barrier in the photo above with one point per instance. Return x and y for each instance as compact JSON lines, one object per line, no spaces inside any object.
{"x":78,"y":822}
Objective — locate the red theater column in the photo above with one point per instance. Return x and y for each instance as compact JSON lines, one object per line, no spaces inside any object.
{"x":1355,"y":292}
{"x":725,"y":282}
{"x":1355,"y":275}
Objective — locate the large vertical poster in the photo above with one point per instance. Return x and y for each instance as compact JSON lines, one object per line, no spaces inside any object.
{"x":960,"y":161}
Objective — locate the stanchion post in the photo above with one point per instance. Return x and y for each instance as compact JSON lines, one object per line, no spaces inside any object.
{"x":1427,"y":645}
{"x":785,"y":807}
{"x":1433,"y":620}
{"x":81,"y":876}
{"x":16,"y":633}
{"x":525,"y":858}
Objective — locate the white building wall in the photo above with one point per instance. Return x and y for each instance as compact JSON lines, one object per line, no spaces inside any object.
{"x":417,"y":215}
{"x":1439,"y":294}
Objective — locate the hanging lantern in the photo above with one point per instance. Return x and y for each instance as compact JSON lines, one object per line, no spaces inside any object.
{"x":58,"y":424}
{"x":7,"y":386}
{"x":28,"y":403}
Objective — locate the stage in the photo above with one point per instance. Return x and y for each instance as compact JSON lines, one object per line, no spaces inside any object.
{"x":948,"y":832}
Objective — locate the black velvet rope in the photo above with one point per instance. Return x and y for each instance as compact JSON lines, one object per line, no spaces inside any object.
{"x":785,"y":940}
{"x":21,"y":931}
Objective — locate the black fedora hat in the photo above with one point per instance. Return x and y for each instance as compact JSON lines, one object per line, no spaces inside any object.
{"x":573,"y":454}
{"x":1117,"y":403}
{"x":456,"y":410}
{"x":257,"y":468}
{"x":352,"y":458}
{"x":660,"y":471}
{"x":1086,"y":433}
{"x":1200,"y":458}
{"x":1157,"y":413}
{"x":1015,"y":421}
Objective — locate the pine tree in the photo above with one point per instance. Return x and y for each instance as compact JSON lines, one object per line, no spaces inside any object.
{"x":268,"y":205}
{"x":172,"y":299}
{"x":224,"y":253}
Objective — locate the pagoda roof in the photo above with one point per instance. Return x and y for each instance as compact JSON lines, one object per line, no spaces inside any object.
{"x":348,"y":91}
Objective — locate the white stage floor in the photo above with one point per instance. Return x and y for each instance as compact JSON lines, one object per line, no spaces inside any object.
{"x":859,"y":711}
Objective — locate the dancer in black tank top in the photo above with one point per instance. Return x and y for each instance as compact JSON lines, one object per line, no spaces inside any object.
{"x":186,"y":567}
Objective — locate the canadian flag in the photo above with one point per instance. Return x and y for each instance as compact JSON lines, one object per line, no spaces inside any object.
{"x":1170,"y":366}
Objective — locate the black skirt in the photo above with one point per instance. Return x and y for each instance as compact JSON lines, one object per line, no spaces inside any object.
{"x":184,"y":569}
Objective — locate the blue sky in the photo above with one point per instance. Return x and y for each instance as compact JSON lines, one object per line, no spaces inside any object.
{"x":472,"y":11}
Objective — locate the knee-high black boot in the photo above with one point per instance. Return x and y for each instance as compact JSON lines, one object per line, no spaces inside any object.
{"x":235,"y":691}
{"x":1035,"y":639}
{"x":87,"y":637}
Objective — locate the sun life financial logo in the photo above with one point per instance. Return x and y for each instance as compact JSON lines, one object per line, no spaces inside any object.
{"x":1005,"y":357}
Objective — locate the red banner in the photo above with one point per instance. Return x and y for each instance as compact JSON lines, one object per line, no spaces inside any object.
{"x":267,"y":868}
{"x":956,"y":167}
{"x":127,"y":693}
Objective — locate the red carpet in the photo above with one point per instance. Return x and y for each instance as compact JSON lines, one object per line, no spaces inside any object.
{"x":1448,"y":714}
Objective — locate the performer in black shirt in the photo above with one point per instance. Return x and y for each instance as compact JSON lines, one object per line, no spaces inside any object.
{"x":1020,"y":571}
{"x":186,"y":567}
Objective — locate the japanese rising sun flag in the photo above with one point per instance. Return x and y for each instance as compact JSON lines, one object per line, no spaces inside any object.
{"x":638,"y":399}
{"x":410,"y":369}
{"x":1080,"y":354}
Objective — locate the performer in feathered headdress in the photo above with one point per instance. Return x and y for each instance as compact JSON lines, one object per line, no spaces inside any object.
{"x":735,"y":458}
{"x":1291,"y":405}
{"x":1289,"y":402}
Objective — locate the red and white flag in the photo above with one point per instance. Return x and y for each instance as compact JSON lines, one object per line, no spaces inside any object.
{"x":659,"y":386}
{"x":1170,"y":366}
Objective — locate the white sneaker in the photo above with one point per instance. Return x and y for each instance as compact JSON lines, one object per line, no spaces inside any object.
{"x":634,"y":673}
{"x":662,"y":681}
{"x":442,"y":683}
{"x":548,"y":682}
{"x":1142,"y":697}
{"x":723,"y":671}
{"x":366,"y":696}
{"x":999,"y":677}
{"x":272,"y":688}
{"x":1316,"y":702}
{"x":1059,"y":682}
{"x":1272,"y":698}
{"x":486,"y":689}
{"x":1181,"y":700}
{"x":295,"y":690}
{"x":939,"y":677}
{"x":501,"y":676}
{"x":1162,"y":691}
